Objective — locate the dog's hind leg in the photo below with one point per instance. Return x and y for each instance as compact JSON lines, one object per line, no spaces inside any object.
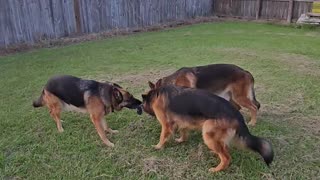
{"x":183,"y":136}
{"x":235,"y":104}
{"x":54,"y":106}
{"x":245,"y":102}
{"x":106,"y":128}
{"x":241,"y":94}
{"x":215,"y":138}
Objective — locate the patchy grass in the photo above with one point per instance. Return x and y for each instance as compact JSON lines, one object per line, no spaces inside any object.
{"x":284,"y":61}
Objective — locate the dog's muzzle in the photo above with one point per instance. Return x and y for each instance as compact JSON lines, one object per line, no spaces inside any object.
{"x":139,"y":109}
{"x":135,"y":105}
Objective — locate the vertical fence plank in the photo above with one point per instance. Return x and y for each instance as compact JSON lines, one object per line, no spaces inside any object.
{"x":77,"y":15}
{"x":258,"y":8}
{"x":290,"y":8}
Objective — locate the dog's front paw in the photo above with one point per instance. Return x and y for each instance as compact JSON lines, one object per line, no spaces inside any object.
{"x":179,"y":140}
{"x":113,"y":131}
{"x":157,"y":147}
{"x":213,"y":170}
{"x":60,"y":130}
{"x":251,"y":123}
{"x":110,"y":144}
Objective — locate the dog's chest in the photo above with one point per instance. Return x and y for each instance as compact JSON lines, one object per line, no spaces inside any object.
{"x":69,"y":107}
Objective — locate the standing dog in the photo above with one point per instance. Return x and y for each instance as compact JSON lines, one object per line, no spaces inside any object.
{"x":189,"y":108}
{"x":225,"y":80}
{"x":88,"y":96}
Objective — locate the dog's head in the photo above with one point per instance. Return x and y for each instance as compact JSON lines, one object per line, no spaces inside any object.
{"x":122,"y":98}
{"x":115,"y":97}
{"x":148,"y":99}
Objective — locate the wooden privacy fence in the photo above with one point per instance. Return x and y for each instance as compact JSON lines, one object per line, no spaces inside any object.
{"x":28,"y":21}
{"x":264,"y":9}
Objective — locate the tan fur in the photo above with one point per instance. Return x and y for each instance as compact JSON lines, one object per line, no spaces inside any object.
{"x":94,"y":106}
{"x":240,"y":95}
{"x":216,"y":134}
{"x":55,"y":107}
{"x":238,"y":92}
{"x":186,"y":80}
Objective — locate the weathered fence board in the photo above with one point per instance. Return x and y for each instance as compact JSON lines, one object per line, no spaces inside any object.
{"x":274,"y":9}
{"x":32,"y":20}
{"x":269,"y":9}
{"x":300,"y":8}
{"x":29,"y":21}
{"x":239,"y":8}
{"x":112,"y":14}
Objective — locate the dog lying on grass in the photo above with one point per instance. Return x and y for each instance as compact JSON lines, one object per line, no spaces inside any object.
{"x":188,"y":109}
{"x":88,"y":96}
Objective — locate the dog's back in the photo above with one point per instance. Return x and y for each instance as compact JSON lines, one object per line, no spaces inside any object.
{"x":199,"y":104}
{"x":225,"y":80}
{"x":216,"y":77}
{"x":71,"y":89}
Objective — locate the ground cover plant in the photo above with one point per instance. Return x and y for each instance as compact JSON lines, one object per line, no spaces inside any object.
{"x":284,"y":61}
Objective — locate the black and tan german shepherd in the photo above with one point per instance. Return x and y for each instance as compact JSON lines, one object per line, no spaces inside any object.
{"x":191,"y":109}
{"x":225,"y":80}
{"x":88,"y":96}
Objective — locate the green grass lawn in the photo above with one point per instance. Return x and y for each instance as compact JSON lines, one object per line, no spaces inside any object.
{"x":284,"y":61}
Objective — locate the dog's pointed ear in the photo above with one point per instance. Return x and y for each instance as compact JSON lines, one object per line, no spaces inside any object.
{"x":158,"y":84}
{"x":117,"y":85}
{"x":117,"y":95}
{"x":144,"y":96}
{"x":151,"y":85}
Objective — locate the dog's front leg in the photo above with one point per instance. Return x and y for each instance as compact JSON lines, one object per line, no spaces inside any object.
{"x":106,"y":128}
{"x":96,"y":120}
{"x":55,"y":111}
{"x":166,"y":129}
{"x":164,"y":136}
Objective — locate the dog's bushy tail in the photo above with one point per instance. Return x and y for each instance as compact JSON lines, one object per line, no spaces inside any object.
{"x":39,"y":101}
{"x":257,"y":144}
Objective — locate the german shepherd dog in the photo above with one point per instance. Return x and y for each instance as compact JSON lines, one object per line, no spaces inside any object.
{"x":88,"y":96}
{"x":191,"y":109}
{"x":225,"y":80}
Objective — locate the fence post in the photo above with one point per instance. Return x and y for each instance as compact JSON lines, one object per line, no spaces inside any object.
{"x":76,"y":6}
{"x":258,"y":8}
{"x":290,"y":9}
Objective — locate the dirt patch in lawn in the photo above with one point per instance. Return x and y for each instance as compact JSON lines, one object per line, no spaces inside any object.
{"x":135,"y":79}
